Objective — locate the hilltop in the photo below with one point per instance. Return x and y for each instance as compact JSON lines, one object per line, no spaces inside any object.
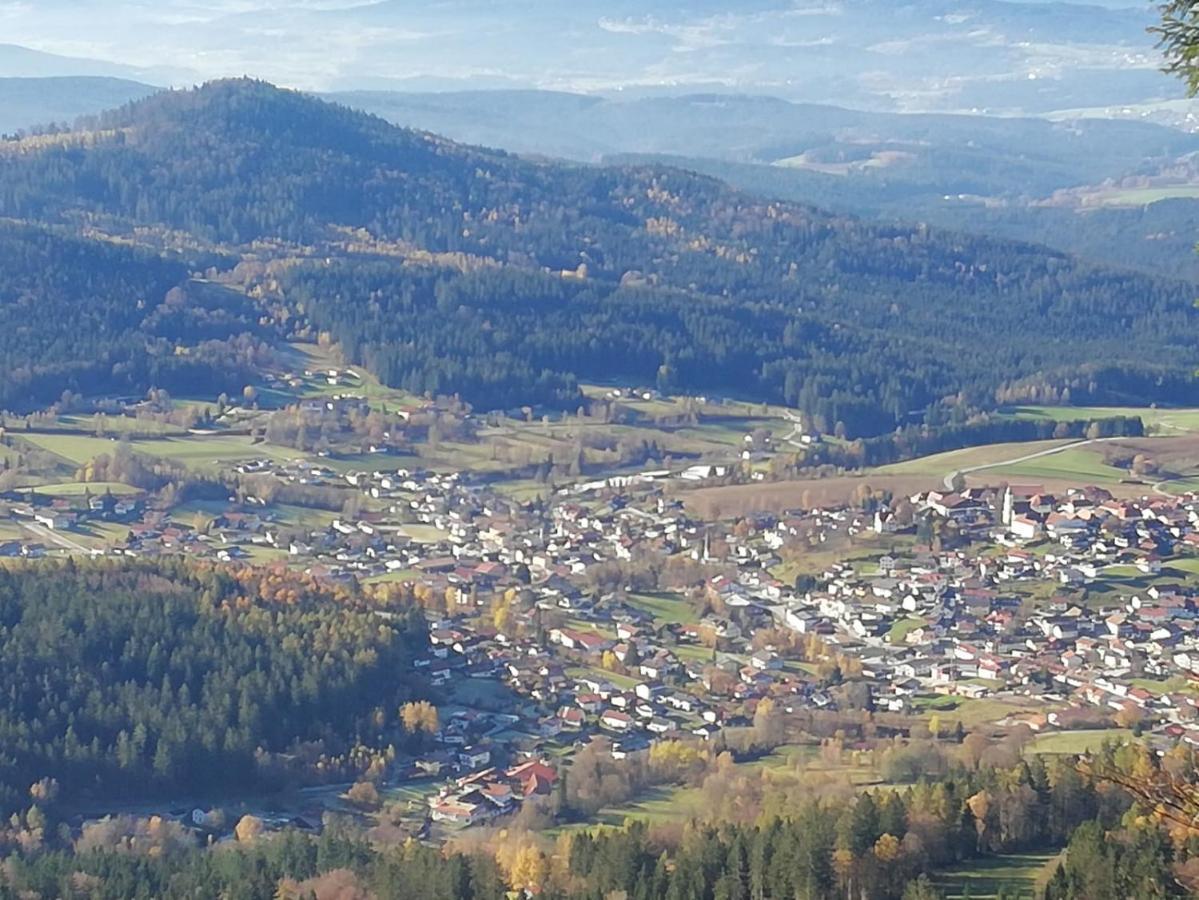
{"x":536,"y":275}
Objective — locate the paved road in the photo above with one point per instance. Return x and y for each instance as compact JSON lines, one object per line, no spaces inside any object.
{"x":796,"y":430}
{"x":56,"y":537}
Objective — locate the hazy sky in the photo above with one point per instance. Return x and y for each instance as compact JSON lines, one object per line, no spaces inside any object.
{"x":915,"y":52}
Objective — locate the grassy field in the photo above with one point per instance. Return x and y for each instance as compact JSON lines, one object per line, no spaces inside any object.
{"x":806,"y":493}
{"x":303,"y":516}
{"x":193,"y":451}
{"x":397,"y":577}
{"x":863,"y":552}
{"x":411,"y":793}
{"x":941,"y":464}
{"x":1083,"y":463}
{"x":302,"y":357}
{"x":79,"y":489}
{"x":970,"y":712}
{"x":997,"y":462}
{"x":11,"y":531}
{"x":1076,"y":742}
{"x":1142,"y":196}
{"x":424,"y":534}
{"x":120,"y":425}
{"x":785,"y":765}
{"x":624,"y":682}
{"x":1154,"y":686}
{"x":1175,"y":447}
{"x":983,"y":878}
{"x":1185,"y":567}
{"x":665,"y":608}
{"x":903,"y":627}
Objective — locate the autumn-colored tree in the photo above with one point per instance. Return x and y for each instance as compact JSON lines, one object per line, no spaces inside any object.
{"x":529,"y":869}
{"x":44,"y":791}
{"x":364,"y":794}
{"x":887,"y":848}
{"x":419,"y":716}
{"x":1129,"y":715}
{"x":248,"y":829}
{"x":980,"y":806}
{"x":768,"y":723}
{"x":501,"y":614}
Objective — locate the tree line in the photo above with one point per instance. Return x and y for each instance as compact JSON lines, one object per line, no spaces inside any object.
{"x":883,"y":844}
{"x":503,"y":338}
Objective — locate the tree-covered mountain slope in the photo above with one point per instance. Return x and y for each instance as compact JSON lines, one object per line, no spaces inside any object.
{"x":552,"y":273}
{"x":92,"y":317}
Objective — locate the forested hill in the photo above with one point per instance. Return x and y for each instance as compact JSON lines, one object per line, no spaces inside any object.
{"x":672,"y":275}
{"x":94,"y":317}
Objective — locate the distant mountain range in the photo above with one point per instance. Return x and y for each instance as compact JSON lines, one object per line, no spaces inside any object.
{"x":1030,"y":155}
{"x":997,"y":56}
{"x":993,"y":175}
{"x":948,"y":153}
{"x":22,"y":62}
{"x":29,"y":102}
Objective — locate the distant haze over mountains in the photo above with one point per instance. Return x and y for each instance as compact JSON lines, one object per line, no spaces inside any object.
{"x":972,"y":55}
{"x":29,"y":102}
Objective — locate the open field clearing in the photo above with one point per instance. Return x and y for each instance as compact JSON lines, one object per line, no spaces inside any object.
{"x":1076,"y":742}
{"x":1055,"y":465}
{"x":193,"y":451}
{"x":665,"y":608}
{"x":941,"y":464}
{"x":79,"y":489}
{"x":951,"y":709}
{"x":1082,"y":463}
{"x":1140,"y":196}
{"x":903,"y":627}
{"x":74,"y":449}
{"x":984,"y":878}
{"x":737,"y":500}
{"x":424,"y":534}
{"x":862,"y":552}
{"x":785,"y":766}
{"x":118,"y":425}
{"x":399,"y":576}
{"x":303,"y":516}
{"x":303,"y":357}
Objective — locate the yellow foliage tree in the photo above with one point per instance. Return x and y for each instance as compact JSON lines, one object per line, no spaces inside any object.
{"x":528,"y":869}
{"x":501,"y":615}
{"x":887,"y":848}
{"x":420,"y":715}
{"x":980,"y":806}
{"x":248,"y":829}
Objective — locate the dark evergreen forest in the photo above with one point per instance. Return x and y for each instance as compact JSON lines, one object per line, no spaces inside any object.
{"x":139,"y":679}
{"x":93,"y":317}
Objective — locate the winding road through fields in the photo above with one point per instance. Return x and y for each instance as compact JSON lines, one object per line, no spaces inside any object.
{"x":970,"y":470}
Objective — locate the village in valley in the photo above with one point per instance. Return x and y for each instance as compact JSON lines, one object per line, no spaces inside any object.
{"x":576,"y":607}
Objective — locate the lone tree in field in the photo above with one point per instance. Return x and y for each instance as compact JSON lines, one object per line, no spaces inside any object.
{"x":1178,"y":39}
